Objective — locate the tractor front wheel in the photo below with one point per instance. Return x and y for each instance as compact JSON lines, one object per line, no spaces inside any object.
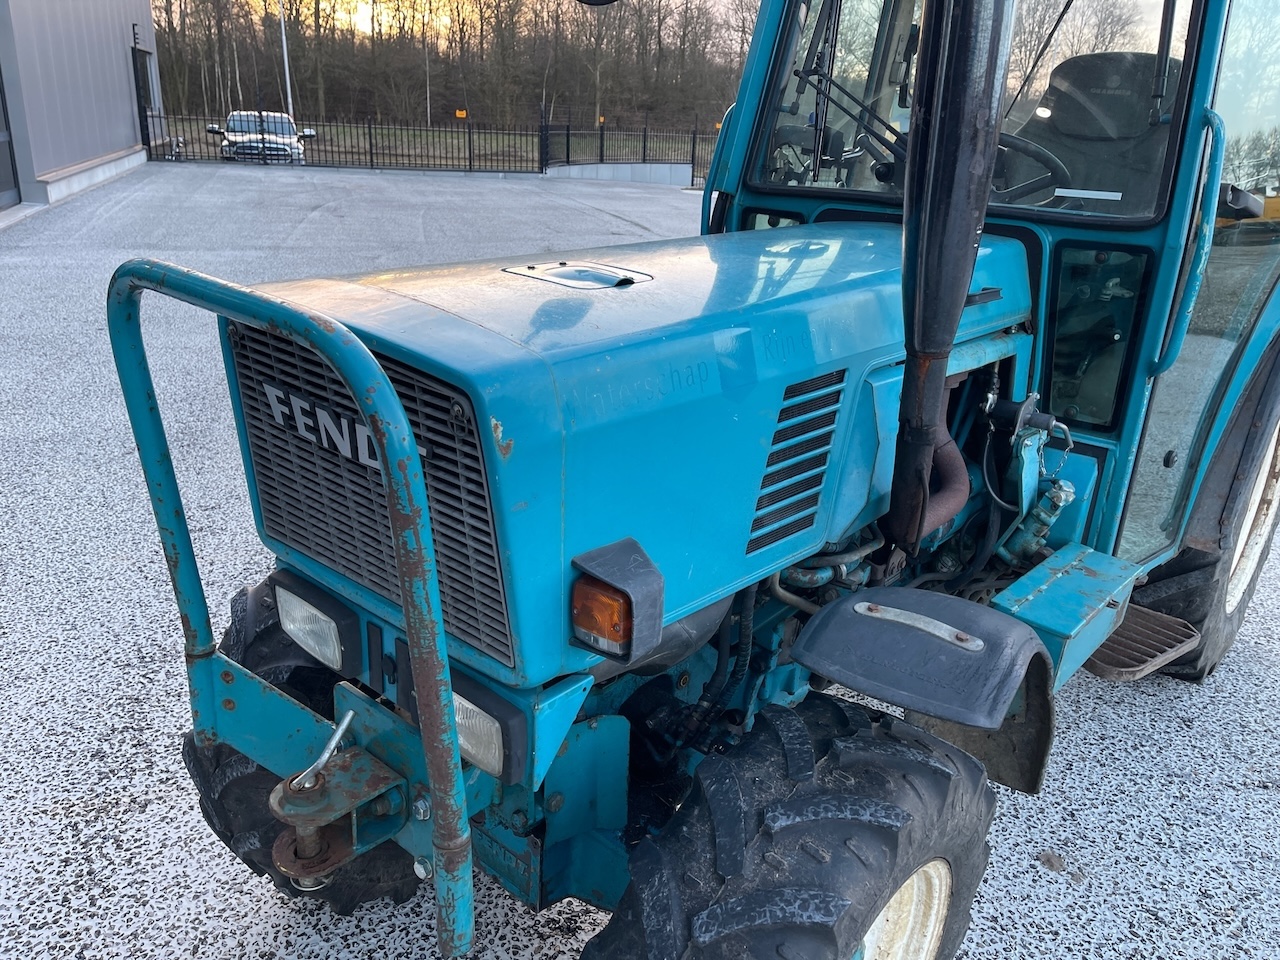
{"x":830,"y":833}
{"x":234,"y":790}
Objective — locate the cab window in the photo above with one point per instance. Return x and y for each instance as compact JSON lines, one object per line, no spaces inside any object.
{"x":1083,"y":131}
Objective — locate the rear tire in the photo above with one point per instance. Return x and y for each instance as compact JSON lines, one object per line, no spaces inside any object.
{"x":234,"y":790}
{"x":828,"y":834}
{"x":1212,"y":590}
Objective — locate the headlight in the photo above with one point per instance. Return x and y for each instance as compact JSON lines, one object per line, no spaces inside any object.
{"x":479,"y":736}
{"x":319,"y":624}
{"x":310,"y":629}
{"x":493,"y":733}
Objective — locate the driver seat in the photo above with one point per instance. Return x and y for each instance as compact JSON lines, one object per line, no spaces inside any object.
{"x":1095,"y":117}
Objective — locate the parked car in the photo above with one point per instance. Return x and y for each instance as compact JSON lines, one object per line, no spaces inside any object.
{"x":261,"y":136}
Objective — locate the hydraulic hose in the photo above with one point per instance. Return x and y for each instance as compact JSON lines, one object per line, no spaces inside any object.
{"x":746,"y":627}
{"x":723,"y":642}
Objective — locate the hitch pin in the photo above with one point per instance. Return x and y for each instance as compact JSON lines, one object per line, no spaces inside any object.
{"x":306,"y":780}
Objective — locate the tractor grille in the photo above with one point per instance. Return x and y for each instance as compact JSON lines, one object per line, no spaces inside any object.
{"x":797,"y":463}
{"x":325,"y":497}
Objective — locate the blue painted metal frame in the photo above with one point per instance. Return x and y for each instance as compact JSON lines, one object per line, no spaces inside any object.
{"x":411,"y":526}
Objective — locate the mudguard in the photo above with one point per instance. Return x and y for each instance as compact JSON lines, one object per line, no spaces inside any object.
{"x":929,"y":652}
{"x":959,"y":668}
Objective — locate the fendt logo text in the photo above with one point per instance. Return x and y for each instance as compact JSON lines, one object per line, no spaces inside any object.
{"x":324,"y":427}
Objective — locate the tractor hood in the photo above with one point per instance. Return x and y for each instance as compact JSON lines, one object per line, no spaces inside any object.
{"x":595,"y":305}
{"x":734,"y":391}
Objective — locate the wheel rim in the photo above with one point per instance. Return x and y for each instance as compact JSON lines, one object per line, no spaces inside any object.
{"x":911,"y":924}
{"x":1260,"y":519}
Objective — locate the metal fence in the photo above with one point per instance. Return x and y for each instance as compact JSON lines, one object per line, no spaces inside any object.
{"x":446,"y":146}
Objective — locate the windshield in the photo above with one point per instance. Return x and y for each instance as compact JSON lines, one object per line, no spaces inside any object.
{"x":1082,"y":130}
{"x":272,"y":124}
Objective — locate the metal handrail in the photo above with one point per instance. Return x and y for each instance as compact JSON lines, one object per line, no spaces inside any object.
{"x":410,"y":524}
{"x":1217,"y":130}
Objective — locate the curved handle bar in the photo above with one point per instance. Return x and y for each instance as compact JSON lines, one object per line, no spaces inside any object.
{"x":1204,"y":242}
{"x":368,"y":384}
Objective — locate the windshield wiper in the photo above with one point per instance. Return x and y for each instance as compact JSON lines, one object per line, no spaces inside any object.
{"x":896,"y":146}
{"x":1160,"y":82}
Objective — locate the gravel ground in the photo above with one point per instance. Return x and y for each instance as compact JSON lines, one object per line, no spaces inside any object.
{"x":1156,"y":834}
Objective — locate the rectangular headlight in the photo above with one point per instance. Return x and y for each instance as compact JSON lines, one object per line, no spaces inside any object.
{"x":319,"y":623}
{"x":479,"y":736}
{"x":493,"y":733}
{"x":309,"y":628}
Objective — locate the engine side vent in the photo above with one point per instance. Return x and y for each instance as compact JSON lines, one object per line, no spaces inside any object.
{"x":797,"y":463}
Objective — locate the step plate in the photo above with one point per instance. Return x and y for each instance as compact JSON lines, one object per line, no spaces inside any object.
{"x":1143,"y":643}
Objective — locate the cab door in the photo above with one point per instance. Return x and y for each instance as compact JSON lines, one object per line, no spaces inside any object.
{"x":1236,"y":312}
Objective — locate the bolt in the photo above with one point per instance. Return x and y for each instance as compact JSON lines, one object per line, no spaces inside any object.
{"x":381,"y":807}
{"x":308,"y":843}
{"x":422,"y":808}
{"x":555,"y":803}
{"x":592,"y":723}
{"x":228,"y":676}
{"x":228,"y":704}
{"x":519,"y":820}
{"x":422,"y":867}
{"x":682,"y":681}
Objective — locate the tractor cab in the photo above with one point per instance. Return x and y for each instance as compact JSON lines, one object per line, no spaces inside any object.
{"x":1107,"y":171}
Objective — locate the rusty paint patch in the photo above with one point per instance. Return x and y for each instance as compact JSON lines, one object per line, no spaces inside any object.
{"x":228,"y":704}
{"x":504,"y":446}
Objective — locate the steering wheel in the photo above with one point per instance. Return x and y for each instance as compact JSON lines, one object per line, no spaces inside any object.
{"x":1056,"y":174}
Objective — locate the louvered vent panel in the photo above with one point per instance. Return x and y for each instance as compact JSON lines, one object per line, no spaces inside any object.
{"x":319,"y":491}
{"x":797,"y":461}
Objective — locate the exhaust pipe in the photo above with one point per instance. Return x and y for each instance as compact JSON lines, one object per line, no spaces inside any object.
{"x":951,"y":153}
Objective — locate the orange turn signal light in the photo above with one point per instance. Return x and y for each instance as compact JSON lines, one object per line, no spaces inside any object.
{"x":601,"y":616}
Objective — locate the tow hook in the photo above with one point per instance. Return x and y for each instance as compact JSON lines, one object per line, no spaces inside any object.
{"x":345,"y":803}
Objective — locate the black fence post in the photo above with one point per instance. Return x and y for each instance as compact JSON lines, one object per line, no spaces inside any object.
{"x":602,"y":143}
{"x":693,"y":156}
{"x":368,"y":126}
{"x":568,"y":143}
{"x":544,"y":142}
{"x":644,"y":144}
{"x":470,"y":148}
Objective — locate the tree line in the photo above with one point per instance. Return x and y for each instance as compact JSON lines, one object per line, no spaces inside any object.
{"x":503,"y":62}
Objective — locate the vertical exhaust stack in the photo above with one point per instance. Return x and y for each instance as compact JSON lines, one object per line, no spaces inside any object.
{"x":951,"y":153}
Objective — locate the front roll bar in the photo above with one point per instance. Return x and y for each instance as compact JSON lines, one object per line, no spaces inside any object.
{"x":410,"y":525}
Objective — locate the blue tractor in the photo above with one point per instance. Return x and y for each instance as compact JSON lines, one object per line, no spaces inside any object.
{"x":970,"y":382}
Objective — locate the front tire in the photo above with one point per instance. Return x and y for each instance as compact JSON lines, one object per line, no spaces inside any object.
{"x":830,"y":833}
{"x":234,"y":790}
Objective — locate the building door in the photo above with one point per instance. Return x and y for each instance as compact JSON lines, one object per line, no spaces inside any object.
{"x":8,"y":172}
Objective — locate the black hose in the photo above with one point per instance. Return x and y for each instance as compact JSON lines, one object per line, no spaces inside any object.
{"x":986,"y":477}
{"x":723,"y":642}
{"x":984,"y":551}
{"x":746,"y":627}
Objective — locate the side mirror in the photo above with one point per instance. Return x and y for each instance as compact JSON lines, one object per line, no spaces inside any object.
{"x":307,"y":134}
{"x":214,"y":129}
{"x":1237,"y":204}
